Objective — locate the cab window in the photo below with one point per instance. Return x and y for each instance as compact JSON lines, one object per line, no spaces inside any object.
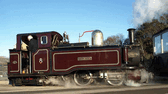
{"x":165,"y":42}
{"x":157,"y":44}
{"x":44,"y":39}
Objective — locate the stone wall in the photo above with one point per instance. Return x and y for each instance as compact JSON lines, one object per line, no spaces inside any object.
{"x":3,"y":72}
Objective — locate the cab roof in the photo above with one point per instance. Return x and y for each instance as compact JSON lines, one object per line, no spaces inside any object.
{"x":160,"y":32}
{"x":24,"y":34}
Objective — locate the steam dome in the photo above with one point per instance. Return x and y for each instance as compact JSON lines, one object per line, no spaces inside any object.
{"x":97,"y":38}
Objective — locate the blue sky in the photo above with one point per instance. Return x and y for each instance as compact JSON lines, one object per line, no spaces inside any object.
{"x":73,"y":16}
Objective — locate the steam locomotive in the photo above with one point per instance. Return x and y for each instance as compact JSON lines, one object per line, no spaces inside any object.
{"x":55,"y":57}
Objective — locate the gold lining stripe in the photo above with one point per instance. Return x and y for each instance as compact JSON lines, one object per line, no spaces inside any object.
{"x":47,"y":59}
{"x":17,"y":63}
{"x":84,"y":64}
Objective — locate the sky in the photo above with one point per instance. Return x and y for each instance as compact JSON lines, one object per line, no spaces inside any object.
{"x":112,"y":17}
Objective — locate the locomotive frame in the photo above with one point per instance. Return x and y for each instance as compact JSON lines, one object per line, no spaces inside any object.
{"x":57,"y":57}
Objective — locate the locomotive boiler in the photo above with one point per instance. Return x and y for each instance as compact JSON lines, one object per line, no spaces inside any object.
{"x":56,"y":57}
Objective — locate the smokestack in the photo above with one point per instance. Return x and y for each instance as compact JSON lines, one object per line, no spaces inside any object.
{"x":131,"y":35}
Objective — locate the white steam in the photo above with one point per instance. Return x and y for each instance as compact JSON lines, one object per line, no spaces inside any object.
{"x":54,"y":80}
{"x":146,"y":10}
{"x":132,"y":83}
{"x":146,"y":77}
{"x":65,"y":81}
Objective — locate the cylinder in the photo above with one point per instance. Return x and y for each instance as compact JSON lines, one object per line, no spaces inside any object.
{"x":131,"y":35}
{"x":97,"y":38}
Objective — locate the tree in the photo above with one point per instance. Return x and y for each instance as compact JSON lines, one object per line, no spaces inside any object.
{"x":144,"y":34}
{"x":114,"y":39}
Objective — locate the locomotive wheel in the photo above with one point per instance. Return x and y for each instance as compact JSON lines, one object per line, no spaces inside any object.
{"x":117,"y":81}
{"x":83,"y":78}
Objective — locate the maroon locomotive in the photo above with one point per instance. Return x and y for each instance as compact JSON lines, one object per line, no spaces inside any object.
{"x":55,"y":56}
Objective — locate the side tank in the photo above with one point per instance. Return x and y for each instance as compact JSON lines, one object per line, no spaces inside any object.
{"x":97,"y":38}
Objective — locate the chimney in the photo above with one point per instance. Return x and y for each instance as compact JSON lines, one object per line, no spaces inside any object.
{"x":131,"y":35}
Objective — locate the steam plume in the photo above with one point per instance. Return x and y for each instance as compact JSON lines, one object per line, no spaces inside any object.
{"x":146,"y":10}
{"x":66,"y":81}
{"x":146,"y":77}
